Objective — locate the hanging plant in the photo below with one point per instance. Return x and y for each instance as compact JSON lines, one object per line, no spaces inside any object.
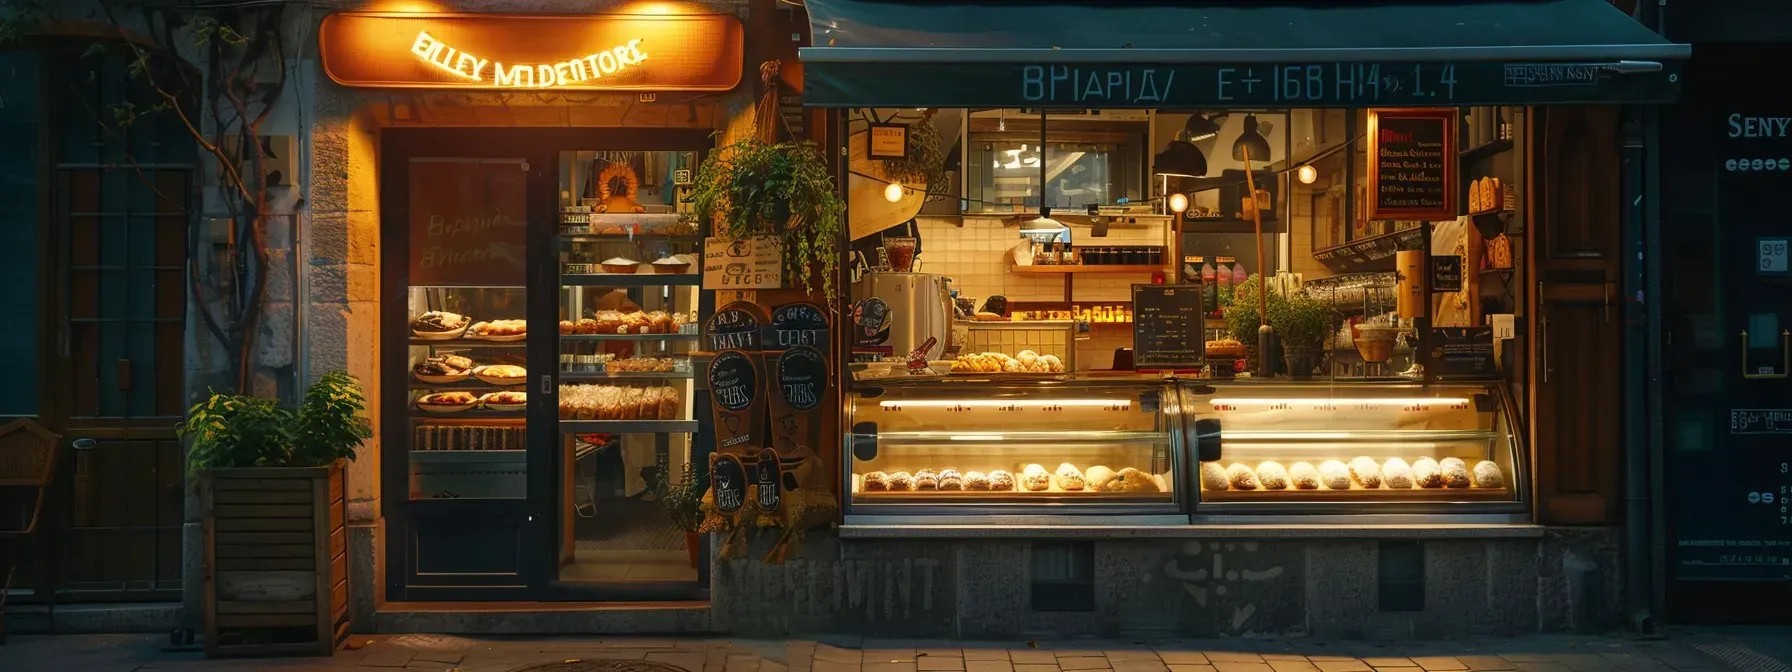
{"x":756,"y":188}
{"x":925,"y":166}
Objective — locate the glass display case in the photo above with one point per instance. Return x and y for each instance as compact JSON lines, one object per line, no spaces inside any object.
{"x":989,"y":446}
{"x":1362,"y":448}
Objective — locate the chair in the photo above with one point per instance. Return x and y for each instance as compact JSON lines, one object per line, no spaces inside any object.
{"x":28,"y":456}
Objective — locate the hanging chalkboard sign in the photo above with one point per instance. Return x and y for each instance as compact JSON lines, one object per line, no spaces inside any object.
{"x":1446,"y":273}
{"x":736,"y":326}
{"x":871,"y":323}
{"x":1458,"y":353}
{"x":736,"y":400}
{"x":1169,"y":327}
{"x":802,"y":379}
{"x":728,"y":478}
{"x":801,"y":323}
{"x":769,"y":478}
{"x":1412,"y":164}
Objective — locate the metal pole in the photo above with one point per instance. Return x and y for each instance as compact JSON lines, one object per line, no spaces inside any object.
{"x":1265,"y":333}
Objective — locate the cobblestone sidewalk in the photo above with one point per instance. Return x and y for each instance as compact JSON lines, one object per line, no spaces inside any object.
{"x":444,"y":653}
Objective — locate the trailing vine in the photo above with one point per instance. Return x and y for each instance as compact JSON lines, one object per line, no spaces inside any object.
{"x":758,"y":188}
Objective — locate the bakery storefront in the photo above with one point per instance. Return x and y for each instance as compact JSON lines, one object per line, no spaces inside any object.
{"x":1227,"y":320}
{"x":528,"y":171}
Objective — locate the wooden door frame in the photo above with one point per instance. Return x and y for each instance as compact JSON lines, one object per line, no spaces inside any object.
{"x":534,"y":144}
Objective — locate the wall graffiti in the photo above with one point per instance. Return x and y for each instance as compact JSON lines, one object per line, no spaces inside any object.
{"x":1211,"y":576}
{"x":851,"y":590}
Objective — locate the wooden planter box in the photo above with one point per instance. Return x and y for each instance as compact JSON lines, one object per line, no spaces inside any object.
{"x":276,"y":561}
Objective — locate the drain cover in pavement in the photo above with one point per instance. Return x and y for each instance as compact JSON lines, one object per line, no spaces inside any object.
{"x":1743,"y":658}
{"x":605,"y":666}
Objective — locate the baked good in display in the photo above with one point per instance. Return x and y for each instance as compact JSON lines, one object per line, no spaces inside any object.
{"x":1455,"y":472}
{"x":1426,"y":473}
{"x":875,"y":481}
{"x":1225,"y":348}
{"x":901,"y":481}
{"x":1129,"y":479}
{"x":977,"y":480}
{"x":499,"y":329}
{"x":671,"y":264}
{"x":1213,"y":477}
{"x":447,"y":402}
{"x":1097,"y":477}
{"x":1069,"y":477}
{"x":505,"y":401}
{"x":620,"y":265}
{"x":1303,"y":476}
{"x":502,"y":374}
{"x":996,"y":362}
{"x":443,"y":369}
{"x":619,"y":402}
{"x":927,"y":479}
{"x":1335,"y":475}
{"x":1397,"y":473}
{"x":950,"y":479}
{"x":1241,"y":476}
{"x":640,"y":365}
{"x":1035,"y":478}
{"x":439,"y":323}
{"x":1487,"y":475}
{"x":1272,"y":475}
{"x":1366,"y":472}
{"x":1001,"y":481}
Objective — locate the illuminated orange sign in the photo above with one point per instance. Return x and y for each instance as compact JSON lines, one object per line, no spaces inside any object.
{"x":596,"y":52}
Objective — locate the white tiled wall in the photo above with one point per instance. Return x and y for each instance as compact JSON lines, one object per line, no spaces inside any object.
{"x":975,"y":256}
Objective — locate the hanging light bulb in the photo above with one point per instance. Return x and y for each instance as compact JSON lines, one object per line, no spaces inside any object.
{"x":1308,"y":174}
{"x":893,"y":193}
{"x":1178,"y":203}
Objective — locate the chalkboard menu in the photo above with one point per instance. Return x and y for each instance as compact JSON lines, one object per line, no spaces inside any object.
{"x":1168,"y":330}
{"x":729,"y":478}
{"x":1446,"y":273}
{"x":468,"y":222}
{"x":734,"y":392}
{"x":1412,"y":164}
{"x":768,"y":475}
{"x":796,"y":324}
{"x":802,"y":375}
{"x":735,"y":327}
{"x":1461,"y":352}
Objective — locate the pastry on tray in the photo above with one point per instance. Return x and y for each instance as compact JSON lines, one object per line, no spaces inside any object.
{"x":1213,"y":477}
{"x":977,"y":480}
{"x":505,"y":401}
{"x":1001,"y":481}
{"x":1097,"y":477}
{"x":1397,"y":473}
{"x":950,"y":479}
{"x":1069,"y":477}
{"x":1129,"y":479}
{"x":439,"y":324}
{"x":1427,"y":474}
{"x":499,"y":330}
{"x":1455,"y":472}
{"x":902,"y":481}
{"x":1303,"y":476}
{"x":1334,"y":475}
{"x":502,"y":374}
{"x":447,"y":402}
{"x":1241,"y":476}
{"x":1035,"y":478}
{"x":927,"y":479}
{"x":621,"y":265}
{"x":443,"y":369}
{"x":1366,"y":472}
{"x":1272,"y":475}
{"x":1487,"y":475}
{"x":875,"y":481}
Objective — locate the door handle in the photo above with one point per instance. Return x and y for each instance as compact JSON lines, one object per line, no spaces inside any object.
{"x":1543,"y":345}
{"x":1605,"y":304}
{"x":1785,"y":357}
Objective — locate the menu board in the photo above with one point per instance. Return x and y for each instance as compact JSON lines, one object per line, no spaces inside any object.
{"x":743,"y":263}
{"x":802,"y":379}
{"x":1461,"y":352}
{"x":468,"y":222}
{"x":735,"y":326}
{"x":1446,"y":273}
{"x":800,"y":323}
{"x":729,"y":478}
{"x":1168,"y":330}
{"x":737,"y":402}
{"x":769,"y":479}
{"x":1412,"y":164}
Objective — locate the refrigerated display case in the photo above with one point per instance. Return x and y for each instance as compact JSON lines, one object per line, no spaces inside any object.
{"x":1343,"y":447}
{"x":990,"y":446}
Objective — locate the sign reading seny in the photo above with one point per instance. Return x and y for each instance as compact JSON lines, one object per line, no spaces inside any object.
{"x":620,"y":52}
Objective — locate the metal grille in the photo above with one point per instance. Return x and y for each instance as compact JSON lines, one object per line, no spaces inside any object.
{"x":1743,"y":658}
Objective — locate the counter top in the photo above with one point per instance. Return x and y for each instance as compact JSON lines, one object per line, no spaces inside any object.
{"x":1073,"y":527}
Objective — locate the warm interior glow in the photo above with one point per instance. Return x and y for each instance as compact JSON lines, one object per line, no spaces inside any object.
{"x":1285,"y":435}
{"x":893,"y":193}
{"x":404,"y":6}
{"x":661,"y":8}
{"x":1338,"y":402}
{"x":996,"y":403}
{"x":1178,"y":203}
{"x":528,"y":75}
{"x":1308,"y":174}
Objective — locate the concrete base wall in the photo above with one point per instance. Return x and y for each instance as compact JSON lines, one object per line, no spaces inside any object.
{"x":1208,"y":587}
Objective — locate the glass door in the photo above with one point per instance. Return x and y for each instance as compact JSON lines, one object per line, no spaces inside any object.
{"x":463,"y":526}
{"x":629,"y":269}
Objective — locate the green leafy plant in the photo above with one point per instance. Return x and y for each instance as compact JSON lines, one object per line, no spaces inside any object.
{"x":1301,"y":320}
{"x":682,"y":500}
{"x":755,"y":188}
{"x":235,"y":431}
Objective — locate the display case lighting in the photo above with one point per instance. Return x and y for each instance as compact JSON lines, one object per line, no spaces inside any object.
{"x":997,"y":403}
{"x":1336,"y":401}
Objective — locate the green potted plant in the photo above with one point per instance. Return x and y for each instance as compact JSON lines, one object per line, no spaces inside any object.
{"x":755,"y":188}
{"x":274,"y":500}
{"x":1301,"y":322}
{"x":682,"y":500}
{"x":1242,"y":319}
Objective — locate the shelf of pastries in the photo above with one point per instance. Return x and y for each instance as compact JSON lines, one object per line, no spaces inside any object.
{"x":1363,"y":478}
{"x":1031,"y":480}
{"x":440,"y":328}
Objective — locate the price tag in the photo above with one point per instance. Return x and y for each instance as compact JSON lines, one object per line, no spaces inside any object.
{"x":1771,"y":256}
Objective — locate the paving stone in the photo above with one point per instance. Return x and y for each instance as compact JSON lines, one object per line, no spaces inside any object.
{"x":1153,"y":665}
{"x":1192,"y":668}
{"x":1486,"y":663}
{"x":1529,"y":657}
{"x":1332,"y":659}
{"x":1546,"y":666}
{"x":1032,"y":657}
{"x":741,"y":664}
{"x":889,"y":656}
{"x":1174,"y":658}
{"x":1292,"y":666}
{"x":837,"y":654}
{"x":939,"y":664}
{"x":942,"y":652}
{"x":986,"y":665}
{"x":985,"y":654}
{"x":1444,"y":664}
{"x":823,"y":665}
{"x":1284,"y":657}
{"x":1230,"y":666}
{"x":1636,"y":662}
{"x":1389,"y":662}
{"x":1352,"y":665}
{"x":390,"y":658}
{"x":1071,"y":663}
{"x":1217,"y":657}
{"x":880,"y":666}
{"x":689,"y":660}
{"x":1133,"y":655}
{"x":1036,"y":667}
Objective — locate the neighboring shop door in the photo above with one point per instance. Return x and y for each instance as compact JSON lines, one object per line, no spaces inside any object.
{"x":1577,"y":365}
{"x":1727,"y":379}
{"x":113,"y":325}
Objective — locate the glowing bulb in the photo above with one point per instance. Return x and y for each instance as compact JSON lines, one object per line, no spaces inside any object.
{"x":1308,"y":174}
{"x":893,"y":193}
{"x":1178,"y":203}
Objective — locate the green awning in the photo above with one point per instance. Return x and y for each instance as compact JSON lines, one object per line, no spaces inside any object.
{"x":1280,"y":53}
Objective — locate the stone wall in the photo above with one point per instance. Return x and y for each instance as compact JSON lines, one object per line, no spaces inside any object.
{"x":979,"y":588}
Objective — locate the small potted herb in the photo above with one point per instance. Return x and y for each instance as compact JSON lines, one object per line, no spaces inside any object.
{"x":1301,"y":322}
{"x":682,"y":500}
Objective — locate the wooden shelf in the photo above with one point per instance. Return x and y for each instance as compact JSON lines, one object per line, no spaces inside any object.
{"x":1483,"y":151}
{"x":1110,"y":270}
